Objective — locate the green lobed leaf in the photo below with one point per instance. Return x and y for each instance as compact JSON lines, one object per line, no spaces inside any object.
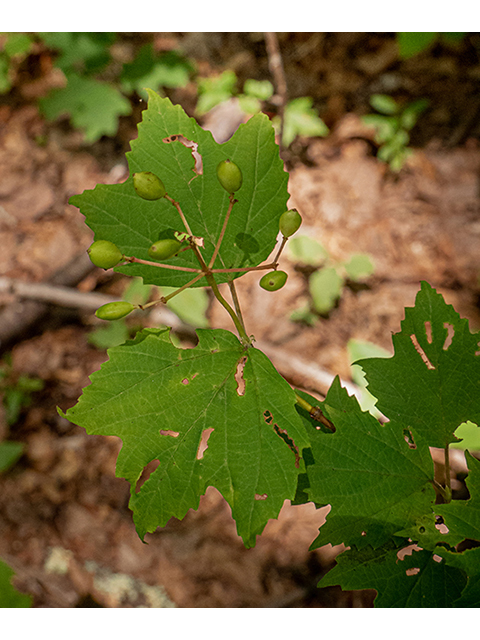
{"x":214,"y":90}
{"x":373,"y":481}
{"x":301,"y":118}
{"x":10,"y":452}
{"x":5,"y":82}
{"x":359,"y":267}
{"x":306,"y":250}
{"x":190,"y":305}
{"x":9,"y":597}
{"x":430,"y":385}
{"x":116,"y":213}
{"x":160,"y":400}
{"x":462,"y":517}
{"x":93,"y":106}
{"x":410,"y":43}
{"x":363,"y":349}
{"x":18,"y":44}
{"x":80,"y":52}
{"x":469,"y":562}
{"x":416,"y":581}
{"x":150,"y":70}
{"x":325,"y":287}
{"x":384,"y":104}
{"x":469,"y":435}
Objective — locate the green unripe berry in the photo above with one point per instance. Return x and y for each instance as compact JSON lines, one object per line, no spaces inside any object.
{"x":273,"y":281}
{"x":229,"y":176}
{"x":148,"y":185}
{"x":164,"y":249}
{"x":290,"y":222}
{"x":104,"y":254}
{"x":114,"y":310}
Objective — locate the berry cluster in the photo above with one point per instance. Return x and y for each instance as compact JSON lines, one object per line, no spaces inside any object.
{"x":148,"y":186}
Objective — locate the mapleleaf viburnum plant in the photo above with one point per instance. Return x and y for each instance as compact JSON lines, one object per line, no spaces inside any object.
{"x":185,"y":219}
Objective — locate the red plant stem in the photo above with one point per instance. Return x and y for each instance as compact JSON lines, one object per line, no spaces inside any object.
{"x":178,"y":208}
{"x":158,"y":264}
{"x":222,"y":232}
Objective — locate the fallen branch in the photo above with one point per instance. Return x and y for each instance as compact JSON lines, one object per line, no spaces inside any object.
{"x":53,"y":294}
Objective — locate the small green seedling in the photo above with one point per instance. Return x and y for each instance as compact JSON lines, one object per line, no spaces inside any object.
{"x":16,"y":390}
{"x":300,"y":116}
{"x":16,"y":394}
{"x":326,"y":278}
{"x":392,"y":128}
{"x":411,"y":43}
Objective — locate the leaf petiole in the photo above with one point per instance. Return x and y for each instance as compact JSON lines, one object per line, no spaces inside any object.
{"x":132,"y":259}
{"x":182,"y":216}
{"x":165,"y":299}
{"x":222,"y":232}
{"x":315,"y":412}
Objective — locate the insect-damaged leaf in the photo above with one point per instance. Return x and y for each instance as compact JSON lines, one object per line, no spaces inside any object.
{"x":164,"y":147}
{"x":374,"y":482}
{"x":432,"y":383}
{"x":160,"y":400}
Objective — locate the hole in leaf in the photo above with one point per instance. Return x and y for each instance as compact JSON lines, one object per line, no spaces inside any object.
{"x":261,"y":497}
{"x":364,"y":533}
{"x":167,"y":432}
{"x":428,"y":331}
{"x":437,"y":558}
{"x":267,"y":416}
{"x":442,"y":527}
{"x":413,"y":571}
{"x":203,"y":445}
{"x":239,"y":376}
{"x":450,"y":334}
{"x":407,"y":434}
{"x":146,"y":473}
{"x":477,"y":353}
{"x":185,"y":381}
{"x":407,"y":551}
{"x":282,"y":433}
{"x":421,"y":352}
{"x":190,"y":144}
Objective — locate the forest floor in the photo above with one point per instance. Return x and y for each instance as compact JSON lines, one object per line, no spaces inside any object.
{"x":65,"y":525}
